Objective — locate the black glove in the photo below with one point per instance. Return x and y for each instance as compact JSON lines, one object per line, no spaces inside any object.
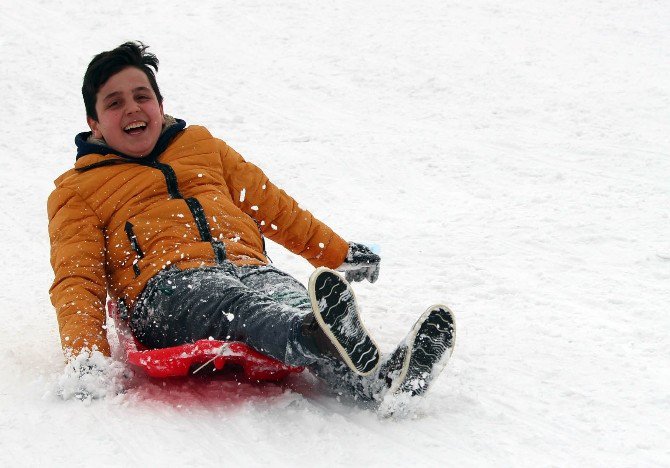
{"x":360,"y":263}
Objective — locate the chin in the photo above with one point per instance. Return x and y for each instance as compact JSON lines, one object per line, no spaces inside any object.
{"x":139,"y":152}
{"x":135,"y":153}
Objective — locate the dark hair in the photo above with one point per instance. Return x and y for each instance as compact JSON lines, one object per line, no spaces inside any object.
{"x":106,"y":64}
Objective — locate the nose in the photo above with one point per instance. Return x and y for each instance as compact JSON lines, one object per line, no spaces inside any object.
{"x":132,"y":107}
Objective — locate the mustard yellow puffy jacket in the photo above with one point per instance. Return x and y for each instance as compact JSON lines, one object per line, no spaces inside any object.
{"x":115,"y":221}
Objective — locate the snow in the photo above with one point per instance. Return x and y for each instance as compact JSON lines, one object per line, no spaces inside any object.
{"x":511,"y":158}
{"x":90,"y":376}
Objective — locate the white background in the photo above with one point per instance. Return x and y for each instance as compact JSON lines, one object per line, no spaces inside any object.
{"x":512,"y":159}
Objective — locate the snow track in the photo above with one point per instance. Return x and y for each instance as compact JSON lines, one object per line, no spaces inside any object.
{"x":511,"y":158}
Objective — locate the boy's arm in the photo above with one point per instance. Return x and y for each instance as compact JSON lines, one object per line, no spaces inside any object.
{"x":279,"y":216}
{"x":78,"y":259}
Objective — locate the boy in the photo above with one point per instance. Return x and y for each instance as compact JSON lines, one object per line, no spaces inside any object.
{"x":169,"y":222}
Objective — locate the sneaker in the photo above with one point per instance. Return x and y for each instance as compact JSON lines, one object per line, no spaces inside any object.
{"x":336,"y":313}
{"x":422,"y":355}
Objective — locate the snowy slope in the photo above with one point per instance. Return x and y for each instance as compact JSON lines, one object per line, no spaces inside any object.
{"x":511,"y":158}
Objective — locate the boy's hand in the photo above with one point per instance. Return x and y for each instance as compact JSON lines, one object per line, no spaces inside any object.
{"x":360,"y":263}
{"x":90,"y":376}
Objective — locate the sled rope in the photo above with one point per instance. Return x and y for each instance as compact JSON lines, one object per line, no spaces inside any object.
{"x":219,"y":353}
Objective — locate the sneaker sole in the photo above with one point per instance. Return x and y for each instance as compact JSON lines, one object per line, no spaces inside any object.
{"x":434,"y":334}
{"x":335,"y":309}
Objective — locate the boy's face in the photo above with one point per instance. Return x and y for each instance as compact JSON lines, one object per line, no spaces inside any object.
{"x":130,"y":119}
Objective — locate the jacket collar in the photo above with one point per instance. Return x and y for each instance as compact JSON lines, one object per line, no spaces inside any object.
{"x":86,"y":144}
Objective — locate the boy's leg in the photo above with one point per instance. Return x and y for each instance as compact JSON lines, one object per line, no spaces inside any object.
{"x":284,"y":288}
{"x":184,"y":306}
{"x":277,"y":284}
{"x":260,"y":306}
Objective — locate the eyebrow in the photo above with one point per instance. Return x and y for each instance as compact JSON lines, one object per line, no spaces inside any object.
{"x":117,"y":93}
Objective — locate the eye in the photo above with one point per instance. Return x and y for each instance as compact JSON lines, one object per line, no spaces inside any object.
{"x":112,"y":104}
{"x":143,"y":97}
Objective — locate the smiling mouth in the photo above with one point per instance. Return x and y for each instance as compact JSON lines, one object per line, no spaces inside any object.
{"x":135,"y":128}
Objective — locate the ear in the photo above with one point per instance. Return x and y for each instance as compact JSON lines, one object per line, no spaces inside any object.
{"x":95,"y":127}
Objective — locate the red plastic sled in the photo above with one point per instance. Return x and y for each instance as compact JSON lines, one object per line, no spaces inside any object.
{"x":179,"y":361}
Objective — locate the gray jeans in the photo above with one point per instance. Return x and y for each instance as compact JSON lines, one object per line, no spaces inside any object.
{"x":258,"y":305}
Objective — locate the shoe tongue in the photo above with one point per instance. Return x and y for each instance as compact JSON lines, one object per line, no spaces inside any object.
{"x":309,"y":324}
{"x":315,"y":340}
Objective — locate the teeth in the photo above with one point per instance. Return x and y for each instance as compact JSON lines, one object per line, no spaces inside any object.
{"x":135,"y":125}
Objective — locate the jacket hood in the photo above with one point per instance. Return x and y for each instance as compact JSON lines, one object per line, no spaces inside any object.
{"x":86,"y":144}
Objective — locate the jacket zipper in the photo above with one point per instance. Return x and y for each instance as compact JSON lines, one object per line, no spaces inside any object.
{"x":194,"y":206}
{"x":134,"y":243}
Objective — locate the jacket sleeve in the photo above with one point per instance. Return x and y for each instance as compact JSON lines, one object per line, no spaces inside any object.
{"x":78,"y":259}
{"x":279,"y":216}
